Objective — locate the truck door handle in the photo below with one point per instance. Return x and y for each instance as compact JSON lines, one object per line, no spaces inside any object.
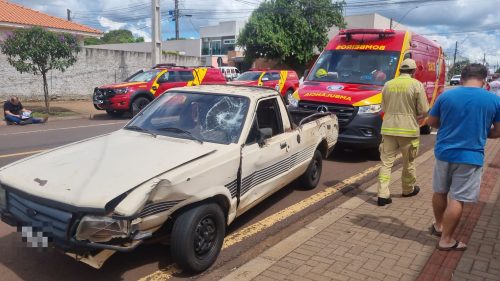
{"x":283,"y":145}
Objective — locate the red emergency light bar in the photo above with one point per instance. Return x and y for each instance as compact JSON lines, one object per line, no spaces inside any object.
{"x":380,"y":32}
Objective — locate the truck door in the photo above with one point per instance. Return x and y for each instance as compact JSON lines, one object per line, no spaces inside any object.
{"x":263,"y":165}
{"x":271,"y":80}
{"x":171,"y":79}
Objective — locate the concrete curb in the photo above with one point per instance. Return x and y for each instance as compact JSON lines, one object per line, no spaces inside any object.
{"x":269,"y":257}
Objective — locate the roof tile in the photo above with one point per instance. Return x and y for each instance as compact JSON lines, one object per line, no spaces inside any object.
{"x":17,"y":14}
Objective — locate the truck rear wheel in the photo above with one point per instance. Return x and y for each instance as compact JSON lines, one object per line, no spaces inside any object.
{"x":310,"y":178}
{"x":197,"y":237}
{"x":288,"y":95}
{"x":138,"y":104}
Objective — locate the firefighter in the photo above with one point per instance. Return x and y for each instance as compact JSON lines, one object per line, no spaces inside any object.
{"x":404,"y":103}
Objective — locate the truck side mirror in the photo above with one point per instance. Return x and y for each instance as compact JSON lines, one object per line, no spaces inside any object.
{"x":264,"y":134}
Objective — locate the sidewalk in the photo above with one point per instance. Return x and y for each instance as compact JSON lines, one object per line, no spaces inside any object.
{"x":360,"y":241}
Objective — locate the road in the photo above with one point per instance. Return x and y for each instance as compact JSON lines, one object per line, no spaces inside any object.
{"x":267,"y":223}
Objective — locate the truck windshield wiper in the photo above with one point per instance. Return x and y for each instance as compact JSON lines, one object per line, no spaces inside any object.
{"x":140,"y":129}
{"x":181,"y":131}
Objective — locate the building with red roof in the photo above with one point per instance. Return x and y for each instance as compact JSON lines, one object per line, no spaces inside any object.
{"x":14,"y":16}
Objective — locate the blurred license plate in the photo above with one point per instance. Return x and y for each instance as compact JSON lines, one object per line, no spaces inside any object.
{"x":3,"y":198}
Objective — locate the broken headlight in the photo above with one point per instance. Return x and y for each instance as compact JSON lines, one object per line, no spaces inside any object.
{"x":102,"y":229}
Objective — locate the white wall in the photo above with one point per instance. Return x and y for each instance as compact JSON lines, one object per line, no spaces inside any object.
{"x":95,"y":67}
{"x":190,"y":47}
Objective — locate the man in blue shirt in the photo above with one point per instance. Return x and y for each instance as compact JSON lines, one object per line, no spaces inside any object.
{"x":464,"y":116}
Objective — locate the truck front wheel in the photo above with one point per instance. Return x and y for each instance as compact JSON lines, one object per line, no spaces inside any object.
{"x":310,"y":178}
{"x":138,"y":104}
{"x":197,"y":237}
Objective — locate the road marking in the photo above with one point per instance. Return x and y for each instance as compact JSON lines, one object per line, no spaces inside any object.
{"x":265,"y":223}
{"x":60,"y":129}
{"x":22,"y":153}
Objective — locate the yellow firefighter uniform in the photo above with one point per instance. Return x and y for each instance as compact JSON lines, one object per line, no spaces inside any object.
{"x":403,"y":99}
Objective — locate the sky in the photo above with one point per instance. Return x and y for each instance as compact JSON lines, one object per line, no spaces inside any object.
{"x":474,"y":24}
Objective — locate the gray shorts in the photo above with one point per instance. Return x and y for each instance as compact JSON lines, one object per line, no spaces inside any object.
{"x":460,"y":181}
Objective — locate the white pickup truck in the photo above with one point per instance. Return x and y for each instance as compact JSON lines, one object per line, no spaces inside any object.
{"x":183,"y":169}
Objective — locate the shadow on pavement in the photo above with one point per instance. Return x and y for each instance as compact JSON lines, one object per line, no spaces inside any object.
{"x":50,"y":264}
{"x":392,"y":226}
{"x":348,"y":155}
{"x":105,"y":116}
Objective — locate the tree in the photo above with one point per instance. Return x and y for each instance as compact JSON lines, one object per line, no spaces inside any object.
{"x":36,"y":51}
{"x":456,"y":69}
{"x":498,"y":70}
{"x":290,"y":30}
{"x":114,"y":37}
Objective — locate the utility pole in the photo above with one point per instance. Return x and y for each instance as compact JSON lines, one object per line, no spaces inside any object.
{"x":484,"y":58}
{"x":68,"y":12}
{"x":390,"y":24}
{"x":455,"y":55}
{"x":176,"y":18}
{"x":155,"y":33}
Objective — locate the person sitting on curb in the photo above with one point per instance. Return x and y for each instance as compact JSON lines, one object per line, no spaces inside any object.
{"x":13,"y":113}
{"x":465,"y":117}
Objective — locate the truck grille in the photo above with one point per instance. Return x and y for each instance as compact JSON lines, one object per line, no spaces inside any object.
{"x":103,"y":94}
{"x":345,"y":113}
{"x":52,"y":222}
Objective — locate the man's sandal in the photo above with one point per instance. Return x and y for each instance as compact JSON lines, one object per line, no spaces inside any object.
{"x":434,"y":231}
{"x":455,"y":247}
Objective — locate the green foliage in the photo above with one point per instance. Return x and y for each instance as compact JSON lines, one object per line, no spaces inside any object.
{"x":290,"y":30}
{"x":170,"y":52}
{"x":36,"y":51}
{"x":114,"y":37}
{"x":498,"y":70}
{"x":457,"y":68}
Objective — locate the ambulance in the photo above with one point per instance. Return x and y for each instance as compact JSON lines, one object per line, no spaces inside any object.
{"x":348,"y":77}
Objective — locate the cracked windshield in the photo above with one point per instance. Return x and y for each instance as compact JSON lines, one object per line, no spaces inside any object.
{"x":211,"y":118}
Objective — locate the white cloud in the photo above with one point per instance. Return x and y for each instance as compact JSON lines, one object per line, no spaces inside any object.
{"x":430,"y":17}
{"x":110,"y":24}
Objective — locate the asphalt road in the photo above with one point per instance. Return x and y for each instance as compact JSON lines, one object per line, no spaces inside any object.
{"x":256,"y":230}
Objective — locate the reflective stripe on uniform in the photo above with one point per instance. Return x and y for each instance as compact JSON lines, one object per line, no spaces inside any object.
{"x":384,"y":178}
{"x":399,"y":131}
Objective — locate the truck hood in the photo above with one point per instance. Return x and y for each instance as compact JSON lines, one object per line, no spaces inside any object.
{"x":337,"y":92}
{"x":123,"y":85}
{"x":243,"y":83}
{"x":90,"y":173}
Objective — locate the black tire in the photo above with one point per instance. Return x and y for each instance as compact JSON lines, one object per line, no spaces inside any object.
{"x":288,"y":94}
{"x":425,"y":130}
{"x":311,"y":176}
{"x":138,"y":104}
{"x":115,"y":113}
{"x":204,"y":224}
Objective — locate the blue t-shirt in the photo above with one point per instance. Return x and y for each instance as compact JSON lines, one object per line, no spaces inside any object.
{"x":466,"y":115}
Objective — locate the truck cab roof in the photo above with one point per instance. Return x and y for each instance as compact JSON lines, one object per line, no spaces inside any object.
{"x":247,"y":91}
